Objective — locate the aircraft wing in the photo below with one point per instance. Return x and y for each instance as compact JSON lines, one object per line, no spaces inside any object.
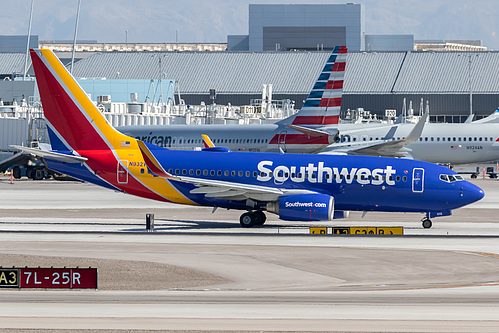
{"x":222,"y":190}
{"x":389,"y":148}
{"x":52,"y":155}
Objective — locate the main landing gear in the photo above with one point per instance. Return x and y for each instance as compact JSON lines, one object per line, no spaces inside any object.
{"x":426,"y":223}
{"x":250,"y":219}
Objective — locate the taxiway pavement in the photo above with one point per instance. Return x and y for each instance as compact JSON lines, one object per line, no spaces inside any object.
{"x":274,"y":278}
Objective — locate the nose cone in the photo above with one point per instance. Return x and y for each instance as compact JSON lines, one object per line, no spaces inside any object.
{"x":471,"y":193}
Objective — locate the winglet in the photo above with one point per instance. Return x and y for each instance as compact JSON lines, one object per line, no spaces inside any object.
{"x":417,"y":130}
{"x":207,"y":141}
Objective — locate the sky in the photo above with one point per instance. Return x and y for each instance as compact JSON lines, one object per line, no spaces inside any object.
{"x":204,"y":21}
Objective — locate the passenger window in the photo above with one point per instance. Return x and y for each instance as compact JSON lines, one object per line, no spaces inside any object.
{"x":255,"y":174}
{"x":232,"y":173}
{"x":184,"y":171}
{"x":212,"y":173}
{"x":177,"y":171}
{"x":191,"y":172}
{"x":404,"y":179}
{"x":205,"y":172}
{"x":198,"y":172}
{"x":398,"y":178}
{"x":170,"y":171}
{"x":219,"y":172}
{"x":248,"y":173}
{"x":226,"y":173}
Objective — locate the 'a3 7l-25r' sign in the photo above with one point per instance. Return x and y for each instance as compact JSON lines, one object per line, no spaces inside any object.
{"x":69,"y":278}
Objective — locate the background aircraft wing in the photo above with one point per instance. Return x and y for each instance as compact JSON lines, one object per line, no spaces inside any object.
{"x":388,"y":148}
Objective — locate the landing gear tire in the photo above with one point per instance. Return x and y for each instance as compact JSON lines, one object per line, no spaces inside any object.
{"x":29,"y":172}
{"x":16,"y":172}
{"x":247,"y":220}
{"x":260,"y":217}
{"x":427,"y":223}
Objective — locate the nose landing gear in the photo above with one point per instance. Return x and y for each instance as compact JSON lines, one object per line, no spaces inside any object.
{"x":426,"y":223}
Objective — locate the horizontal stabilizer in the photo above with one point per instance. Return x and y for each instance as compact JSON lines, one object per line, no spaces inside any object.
{"x":312,"y":132}
{"x":65,"y":158}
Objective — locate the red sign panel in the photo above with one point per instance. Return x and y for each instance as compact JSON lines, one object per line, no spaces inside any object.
{"x":70,"y":278}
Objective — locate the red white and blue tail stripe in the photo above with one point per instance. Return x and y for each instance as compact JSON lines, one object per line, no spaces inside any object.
{"x":323,"y":104}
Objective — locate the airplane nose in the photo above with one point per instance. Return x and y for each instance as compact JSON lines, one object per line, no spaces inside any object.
{"x":471,"y":193}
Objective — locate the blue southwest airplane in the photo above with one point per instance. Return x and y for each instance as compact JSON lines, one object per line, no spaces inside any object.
{"x":296,"y":187}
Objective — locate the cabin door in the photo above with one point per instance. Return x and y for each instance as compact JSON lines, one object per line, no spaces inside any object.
{"x":418,"y":180}
{"x":122,"y":172}
{"x":281,"y":141}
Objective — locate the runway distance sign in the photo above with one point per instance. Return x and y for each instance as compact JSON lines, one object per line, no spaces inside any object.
{"x":61,"y":278}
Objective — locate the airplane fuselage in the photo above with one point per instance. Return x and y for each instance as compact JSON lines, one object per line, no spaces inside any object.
{"x":356,"y":182}
{"x":439,"y":143}
{"x":254,"y":138}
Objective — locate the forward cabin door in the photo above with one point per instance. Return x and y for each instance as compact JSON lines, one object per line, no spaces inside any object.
{"x":418,"y":180}
{"x":281,"y":140}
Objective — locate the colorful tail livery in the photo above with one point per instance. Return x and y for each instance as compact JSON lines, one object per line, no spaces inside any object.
{"x":295,"y":187}
{"x":310,"y":130}
{"x":323,"y":104}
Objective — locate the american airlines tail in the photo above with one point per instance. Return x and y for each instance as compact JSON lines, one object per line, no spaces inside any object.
{"x":323,"y":104}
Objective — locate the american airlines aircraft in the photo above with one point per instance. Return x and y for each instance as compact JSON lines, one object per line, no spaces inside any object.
{"x":310,"y":130}
{"x":294,"y":186}
{"x":439,"y":143}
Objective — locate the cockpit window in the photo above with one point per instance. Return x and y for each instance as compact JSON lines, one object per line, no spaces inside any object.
{"x":451,"y":178}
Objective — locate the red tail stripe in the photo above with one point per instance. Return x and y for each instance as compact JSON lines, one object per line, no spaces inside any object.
{"x":338,"y":67}
{"x":334,"y":84}
{"x":330,"y":102}
{"x":316,"y":120}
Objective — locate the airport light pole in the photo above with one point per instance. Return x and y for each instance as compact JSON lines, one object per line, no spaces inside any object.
{"x":27,"y":43}
{"x":74,"y":40}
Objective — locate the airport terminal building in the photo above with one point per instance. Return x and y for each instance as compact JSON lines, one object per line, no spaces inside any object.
{"x":375,"y":81}
{"x":286,"y":47}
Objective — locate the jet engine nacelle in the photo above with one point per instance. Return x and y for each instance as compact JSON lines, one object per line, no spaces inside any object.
{"x":303,"y":207}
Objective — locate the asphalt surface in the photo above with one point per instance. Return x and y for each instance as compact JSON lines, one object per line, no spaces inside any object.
{"x":200,"y":271}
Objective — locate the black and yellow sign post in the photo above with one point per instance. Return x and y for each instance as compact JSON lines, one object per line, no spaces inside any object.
{"x":359,"y":230}
{"x":9,"y":278}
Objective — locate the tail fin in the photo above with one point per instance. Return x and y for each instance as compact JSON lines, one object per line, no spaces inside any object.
{"x":70,"y":114}
{"x":113,"y":159}
{"x":323,"y":104}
